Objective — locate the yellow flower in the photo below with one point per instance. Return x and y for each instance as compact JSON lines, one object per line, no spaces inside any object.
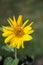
{"x":17,"y":33}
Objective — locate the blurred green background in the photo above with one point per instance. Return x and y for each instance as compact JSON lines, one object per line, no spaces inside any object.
{"x":31,"y":9}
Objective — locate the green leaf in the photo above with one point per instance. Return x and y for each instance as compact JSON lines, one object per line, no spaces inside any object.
{"x":15,"y":62}
{"x":0,"y":57}
{"x":11,"y":61}
{"x":8,"y":61}
{"x":8,"y":48}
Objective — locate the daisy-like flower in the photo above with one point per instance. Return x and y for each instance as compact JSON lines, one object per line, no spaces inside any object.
{"x":17,"y":33}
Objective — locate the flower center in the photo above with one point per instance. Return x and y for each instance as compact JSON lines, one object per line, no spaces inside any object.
{"x":19,"y":32}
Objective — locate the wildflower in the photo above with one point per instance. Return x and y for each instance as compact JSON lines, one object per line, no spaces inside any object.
{"x":17,"y":33}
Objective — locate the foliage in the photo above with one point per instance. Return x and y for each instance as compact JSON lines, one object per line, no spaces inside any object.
{"x":11,"y":61}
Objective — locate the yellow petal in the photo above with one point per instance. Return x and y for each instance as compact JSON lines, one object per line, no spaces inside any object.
{"x":31,"y":31}
{"x":25,"y":23}
{"x":13,"y":45}
{"x":8,"y":39}
{"x":14,"y":42}
{"x":27,"y":38}
{"x":6,"y":29}
{"x":15,"y":39}
{"x":11,"y":24}
{"x":31,"y":24}
{"x":19,"y":45}
{"x":22,"y":44}
{"x":14,"y":23}
{"x":19,"y":21}
{"x":27,"y":29}
{"x":6,"y":34}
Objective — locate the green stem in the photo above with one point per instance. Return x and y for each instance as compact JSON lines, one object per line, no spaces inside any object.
{"x":15,"y":53}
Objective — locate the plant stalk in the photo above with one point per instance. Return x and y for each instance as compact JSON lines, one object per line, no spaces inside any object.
{"x":15,"y":53}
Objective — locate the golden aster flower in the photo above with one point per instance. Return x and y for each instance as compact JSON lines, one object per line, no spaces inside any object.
{"x":17,"y":33}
